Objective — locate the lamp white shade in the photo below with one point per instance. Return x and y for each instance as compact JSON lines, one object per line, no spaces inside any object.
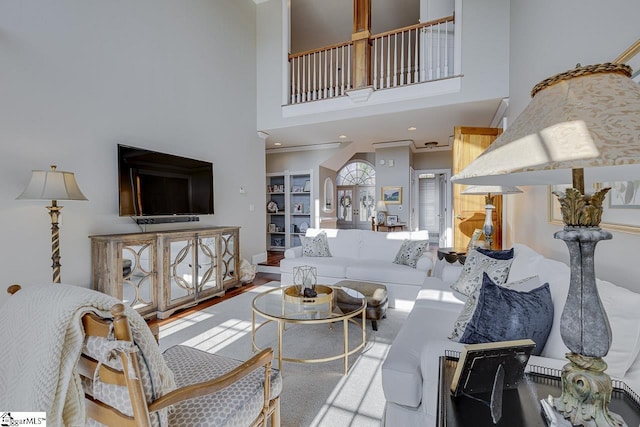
{"x":578,"y":119}
{"x":490,"y":189}
{"x":52,"y":185}
{"x":381,"y":206}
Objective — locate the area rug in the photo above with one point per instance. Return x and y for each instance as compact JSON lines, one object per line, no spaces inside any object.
{"x":316,"y":394}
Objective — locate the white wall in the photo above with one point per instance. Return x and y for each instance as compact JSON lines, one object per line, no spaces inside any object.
{"x":396,"y":175}
{"x":550,"y":37}
{"x":79,"y":77}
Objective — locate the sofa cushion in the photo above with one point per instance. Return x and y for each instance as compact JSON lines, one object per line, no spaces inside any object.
{"x":384,"y":272}
{"x":316,"y":246}
{"x":526,"y":263}
{"x":401,"y":373}
{"x":620,"y":304}
{"x":410,"y":252}
{"x":380,"y":246}
{"x":471,"y":303}
{"x":325,"y":266}
{"x":342,"y":243}
{"x":504,"y":314}
{"x":494,"y":263}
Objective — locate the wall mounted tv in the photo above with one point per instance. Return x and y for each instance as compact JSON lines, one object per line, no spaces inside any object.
{"x":152,"y":183}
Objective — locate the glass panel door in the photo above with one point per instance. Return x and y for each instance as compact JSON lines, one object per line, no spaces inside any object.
{"x":356,"y":212}
{"x":345,"y":207}
{"x":138,"y":277}
{"x":366,"y":206}
{"x":205,"y":273}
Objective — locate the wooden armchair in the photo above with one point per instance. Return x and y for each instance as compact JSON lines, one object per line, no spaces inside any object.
{"x":211,"y":389}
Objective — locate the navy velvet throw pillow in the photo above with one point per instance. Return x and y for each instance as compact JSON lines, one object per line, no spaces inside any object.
{"x":504,"y":254}
{"x":504,"y":314}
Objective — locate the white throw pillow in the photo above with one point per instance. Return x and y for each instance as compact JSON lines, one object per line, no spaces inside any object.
{"x":317,"y":246}
{"x":477,"y":263}
{"x":524,"y":285}
{"x":410,"y":251}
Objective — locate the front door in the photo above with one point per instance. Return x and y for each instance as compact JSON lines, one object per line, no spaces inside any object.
{"x":356,"y":204}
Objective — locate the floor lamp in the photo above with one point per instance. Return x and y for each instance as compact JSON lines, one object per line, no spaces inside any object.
{"x":581,"y":123}
{"x":489,"y":191}
{"x":53,"y":185}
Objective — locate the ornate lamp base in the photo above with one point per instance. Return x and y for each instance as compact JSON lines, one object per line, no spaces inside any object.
{"x":585,"y":330}
{"x":586,"y":393}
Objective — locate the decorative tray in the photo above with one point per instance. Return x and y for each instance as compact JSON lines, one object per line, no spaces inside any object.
{"x":292,"y":294}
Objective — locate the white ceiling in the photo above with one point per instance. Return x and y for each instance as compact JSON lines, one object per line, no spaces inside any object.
{"x":432,"y":124}
{"x":319,"y":23}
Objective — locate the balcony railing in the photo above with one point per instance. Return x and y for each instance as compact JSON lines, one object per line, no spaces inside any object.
{"x":321,"y":73}
{"x":414,"y":54}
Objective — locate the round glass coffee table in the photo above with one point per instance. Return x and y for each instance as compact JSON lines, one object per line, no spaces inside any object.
{"x":282,"y":306}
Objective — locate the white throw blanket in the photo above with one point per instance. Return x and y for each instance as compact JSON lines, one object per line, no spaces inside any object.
{"x":41,"y":334}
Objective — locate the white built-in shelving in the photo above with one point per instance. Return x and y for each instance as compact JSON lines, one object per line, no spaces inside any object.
{"x":289,"y":208}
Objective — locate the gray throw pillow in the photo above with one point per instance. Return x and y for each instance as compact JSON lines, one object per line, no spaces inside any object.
{"x":505,"y":314}
{"x":410,"y":252}
{"x":317,"y":246}
{"x":494,"y":263}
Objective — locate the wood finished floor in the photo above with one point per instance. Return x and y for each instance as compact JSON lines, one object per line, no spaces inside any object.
{"x":260,"y":279}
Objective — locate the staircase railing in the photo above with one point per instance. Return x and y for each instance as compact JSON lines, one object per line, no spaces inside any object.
{"x":413,"y":54}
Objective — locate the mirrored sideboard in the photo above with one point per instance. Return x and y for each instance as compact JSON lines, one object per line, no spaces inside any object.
{"x":160,"y":272}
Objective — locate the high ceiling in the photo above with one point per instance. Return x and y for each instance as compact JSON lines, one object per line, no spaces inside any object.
{"x":317,"y":23}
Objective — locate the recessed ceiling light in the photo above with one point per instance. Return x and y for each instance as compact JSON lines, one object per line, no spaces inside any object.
{"x":342,"y":136}
{"x":412,"y":128}
{"x":277,"y":144}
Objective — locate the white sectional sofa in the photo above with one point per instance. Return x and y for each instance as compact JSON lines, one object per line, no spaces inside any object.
{"x":410,"y":370}
{"x":367,"y":256}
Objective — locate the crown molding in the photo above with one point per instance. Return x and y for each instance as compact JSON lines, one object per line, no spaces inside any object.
{"x":392,"y":144}
{"x":304,"y":148}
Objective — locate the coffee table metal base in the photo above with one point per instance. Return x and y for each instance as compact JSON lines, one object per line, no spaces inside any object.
{"x":281,"y":324}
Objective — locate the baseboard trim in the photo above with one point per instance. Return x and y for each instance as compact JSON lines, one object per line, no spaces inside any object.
{"x":268,"y":269}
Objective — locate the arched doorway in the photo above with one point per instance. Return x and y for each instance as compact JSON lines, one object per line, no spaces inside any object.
{"x":356,"y":185}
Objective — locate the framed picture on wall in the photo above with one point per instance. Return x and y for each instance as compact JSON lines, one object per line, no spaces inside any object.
{"x":392,"y":195}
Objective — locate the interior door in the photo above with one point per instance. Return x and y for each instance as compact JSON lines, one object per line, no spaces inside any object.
{"x":469,"y":212}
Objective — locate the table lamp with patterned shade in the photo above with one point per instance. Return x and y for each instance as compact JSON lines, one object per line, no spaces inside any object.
{"x":581,"y":123}
{"x":381,"y":212}
{"x":53,"y":185}
{"x":489,"y":191}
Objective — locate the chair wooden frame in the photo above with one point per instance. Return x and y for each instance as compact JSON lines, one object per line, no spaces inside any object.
{"x":105,"y":414}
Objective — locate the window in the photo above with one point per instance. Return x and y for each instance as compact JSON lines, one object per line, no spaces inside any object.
{"x":356,"y":173}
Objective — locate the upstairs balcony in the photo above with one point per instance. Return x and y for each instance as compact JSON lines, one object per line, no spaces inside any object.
{"x":448,"y":70}
{"x":406,"y":56}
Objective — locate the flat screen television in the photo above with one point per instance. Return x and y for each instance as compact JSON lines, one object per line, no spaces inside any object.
{"x":152,"y":183}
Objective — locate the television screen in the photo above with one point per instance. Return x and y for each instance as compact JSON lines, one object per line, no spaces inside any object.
{"x":152,"y":183}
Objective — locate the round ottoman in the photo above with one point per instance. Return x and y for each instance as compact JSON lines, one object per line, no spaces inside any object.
{"x":376,"y":294}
